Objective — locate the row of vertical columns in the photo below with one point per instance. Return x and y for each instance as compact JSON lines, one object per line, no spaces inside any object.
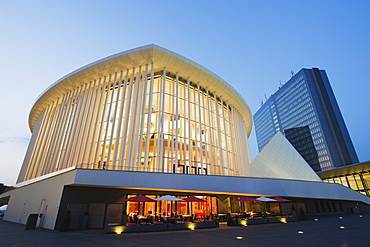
{"x":107,"y":124}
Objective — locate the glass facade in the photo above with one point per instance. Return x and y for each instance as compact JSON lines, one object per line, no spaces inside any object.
{"x":181,"y":210}
{"x":356,"y":181}
{"x":140,"y":120}
{"x":301,"y":140}
{"x":307,"y":100}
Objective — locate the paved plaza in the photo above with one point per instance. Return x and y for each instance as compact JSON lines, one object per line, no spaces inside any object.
{"x":351,"y":230}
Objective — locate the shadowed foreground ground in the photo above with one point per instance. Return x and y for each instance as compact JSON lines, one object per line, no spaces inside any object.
{"x":326,"y":231}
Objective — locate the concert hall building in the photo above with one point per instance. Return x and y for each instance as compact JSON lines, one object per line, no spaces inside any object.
{"x":149,"y":121}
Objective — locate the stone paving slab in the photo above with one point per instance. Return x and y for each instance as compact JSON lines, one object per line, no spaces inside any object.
{"x":324,"y":232}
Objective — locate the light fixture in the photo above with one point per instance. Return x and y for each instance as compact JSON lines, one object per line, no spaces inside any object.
{"x":360,"y":216}
{"x":300,"y":232}
{"x":316,"y":219}
{"x":118,"y":232}
{"x":283,"y":220}
{"x":341,"y":227}
{"x":340,"y":217}
{"x":239,"y":237}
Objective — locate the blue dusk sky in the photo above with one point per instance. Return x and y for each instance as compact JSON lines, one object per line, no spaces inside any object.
{"x":253,"y":45}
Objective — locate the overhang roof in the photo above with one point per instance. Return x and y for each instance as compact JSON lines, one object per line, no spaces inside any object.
{"x":148,"y":54}
{"x":204,"y":184}
{"x":345,"y":170}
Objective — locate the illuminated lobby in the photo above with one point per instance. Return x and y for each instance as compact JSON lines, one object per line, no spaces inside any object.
{"x":152,"y":122}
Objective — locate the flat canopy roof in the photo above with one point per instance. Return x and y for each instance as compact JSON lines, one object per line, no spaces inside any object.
{"x":162,"y":58}
{"x":341,"y":171}
{"x":227,"y":185}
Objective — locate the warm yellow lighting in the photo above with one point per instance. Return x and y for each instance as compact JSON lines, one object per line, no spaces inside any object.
{"x":316,"y":219}
{"x":283,"y":220}
{"x":239,"y":237}
{"x":300,"y":232}
{"x":243,"y":222}
{"x":118,"y":232}
{"x":191,"y":227}
{"x":340,"y":217}
{"x":360,"y":216}
{"x":341,"y":227}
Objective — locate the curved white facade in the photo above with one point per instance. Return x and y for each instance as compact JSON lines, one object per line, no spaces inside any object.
{"x":147,"y":109}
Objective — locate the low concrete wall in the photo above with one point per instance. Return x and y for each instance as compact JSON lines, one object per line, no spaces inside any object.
{"x":159,"y":227}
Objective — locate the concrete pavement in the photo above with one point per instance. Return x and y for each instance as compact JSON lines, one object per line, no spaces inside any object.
{"x":327,"y":231}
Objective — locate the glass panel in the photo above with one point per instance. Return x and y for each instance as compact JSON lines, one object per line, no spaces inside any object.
{"x":352,"y":182}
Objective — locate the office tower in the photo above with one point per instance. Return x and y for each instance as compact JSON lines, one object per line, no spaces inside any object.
{"x":306,"y":111}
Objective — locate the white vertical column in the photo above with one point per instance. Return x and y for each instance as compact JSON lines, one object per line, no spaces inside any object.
{"x":206,"y":133}
{"x":226,"y":139}
{"x":147,"y":135}
{"x":104,"y":144}
{"x":202,"y":165}
{"x":143,"y":98}
{"x":65,"y":107}
{"x":53,"y":134}
{"x":86,"y":124}
{"x":133,"y":124}
{"x":182,"y":134}
{"x":94,"y":137}
{"x":190,"y":145}
{"x":123,"y":163}
{"x":114,"y":117}
{"x":48,"y":137}
{"x":103,"y":131}
{"x":68,"y":129}
{"x":237,"y":140}
{"x":81,"y":129}
{"x":100,"y":123}
{"x":39,"y":146}
{"x":87,"y":155}
{"x":232,"y":139}
{"x":210,"y":127}
{"x":160,"y":163}
{"x":118,"y":145}
{"x":177,"y":124}
{"x":219,"y":135}
{"x":75,"y":128}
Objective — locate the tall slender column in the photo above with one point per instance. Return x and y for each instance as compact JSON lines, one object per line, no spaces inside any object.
{"x":141,"y":115}
{"x":123,"y":163}
{"x":190,"y":146}
{"x":147,"y":135}
{"x":118,"y":145}
{"x":219,"y":135}
{"x":133,"y":123}
{"x":160,"y":163}
{"x":210,"y":133}
{"x":202,"y":165}
{"x":87,"y":124}
{"x":114,"y":121}
{"x":225,"y":138}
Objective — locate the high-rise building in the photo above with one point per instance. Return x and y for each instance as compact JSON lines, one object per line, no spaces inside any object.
{"x":306,"y":111}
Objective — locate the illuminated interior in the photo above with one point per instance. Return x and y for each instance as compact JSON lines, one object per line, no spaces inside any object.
{"x":139,"y":120}
{"x":185,"y":210}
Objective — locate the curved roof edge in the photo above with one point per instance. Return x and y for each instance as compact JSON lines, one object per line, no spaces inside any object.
{"x":148,"y":54}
